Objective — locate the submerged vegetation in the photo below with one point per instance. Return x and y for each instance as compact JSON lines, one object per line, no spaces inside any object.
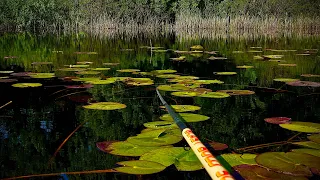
{"x":182,"y":16}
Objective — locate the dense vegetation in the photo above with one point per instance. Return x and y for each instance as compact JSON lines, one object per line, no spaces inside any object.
{"x":44,"y":14}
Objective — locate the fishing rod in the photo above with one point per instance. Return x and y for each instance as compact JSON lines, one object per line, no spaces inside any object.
{"x":215,"y":170}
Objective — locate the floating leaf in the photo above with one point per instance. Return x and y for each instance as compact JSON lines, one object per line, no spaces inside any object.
{"x":314,"y":152}
{"x":217,"y":58}
{"x":41,"y":63}
{"x":160,"y":125}
{"x":214,"y":95}
{"x":258,"y":57}
{"x":288,"y":65}
{"x":255,"y":172}
{"x":224,"y":73}
{"x":237,"y":92}
{"x":128,"y":70}
{"x":110,"y":64}
{"x":309,"y":144}
{"x":215,"y":81}
{"x":304,"y":83}
{"x":156,"y":137}
{"x":201,"y":90}
{"x":254,"y":51}
{"x":105,"y":106}
{"x":196,"y":47}
{"x":315,"y":138}
{"x":188,"y":162}
{"x":119,"y":79}
{"x":211,"y":52}
{"x":41,"y":75}
{"x":77,"y":65}
{"x":26,"y":85}
{"x":273,"y":56}
{"x":164,"y":71}
{"x":140,"y":167}
{"x":283,"y":50}
{"x":84,"y":62}
{"x":20,"y":74}
{"x":124,"y":148}
{"x":6,"y":72}
{"x":285,"y":79}
{"x":181,"y":52}
{"x":172,"y":88}
{"x":303,"y":54}
{"x":277,"y":120}
{"x":297,"y":164}
{"x":140,"y":83}
{"x":187,"y":77}
{"x":310,"y":75}
{"x":245,"y":67}
{"x":218,"y":146}
{"x":181,"y":58}
{"x":184,"y":94}
{"x":160,"y":50}
{"x":87,"y":72}
{"x":86,"y":53}
{"x":188,"y":117}
{"x":183,"y":108}
{"x":85,"y":79}
{"x":100,"y":69}
{"x":307,"y":127}
{"x":71,"y":69}
{"x":168,"y":76}
{"x":99,"y":81}
{"x":237,"y":52}
{"x":237,"y":159}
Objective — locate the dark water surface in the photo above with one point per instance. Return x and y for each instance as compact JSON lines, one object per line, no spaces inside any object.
{"x":39,"y":119}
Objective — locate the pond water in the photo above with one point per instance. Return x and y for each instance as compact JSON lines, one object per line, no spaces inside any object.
{"x":38,"y":119}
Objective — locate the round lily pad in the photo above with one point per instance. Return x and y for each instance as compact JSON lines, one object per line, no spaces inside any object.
{"x":244,"y":67}
{"x":297,"y":164}
{"x":237,"y":159}
{"x":145,"y":83}
{"x":218,"y":146}
{"x":283,"y":50}
{"x":184,"y":94}
{"x":273,"y":56}
{"x":41,"y":75}
{"x":139,"y":167}
{"x":215,"y":81}
{"x":237,"y":92}
{"x":285,"y":79}
{"x":197,"y":47}
{"x":105,"y":106}
{"x":315,"y":138}
{"x":224,"y":73}
{"x":277,"y":120}
{"x":158,"y":137}
{"x":183,"y":108}
{"x":188,"y":117}
{"x":72,"y":69}
{"x":314,"y":152}
{"x":77,"y":65}
{"x":110,"y":64}
{"x":255,"y":172}
{"x":26,"y":85}
{"x":310,"y":75}
{"x":41,"y":63}
{"x":306,"y":127}
{"x":309,"y":144}
{"x":100,"y":69}
{"x":217,"y":58}
{"x":172,"y":88}
{"x":88,"y":72}
{"x":181,"y":58}
{"x":304,"y":84}
{"x":201,"y":90}
{"x":288,"y":65}
{"x":84,"y":62}
{"x":20,"y":74}
{"x":214,"y":95}
{"x":254,"y":51}
{"x":164,"y":71}
{"x":187,"y":77}
{"x":6,"y":72}
{"x":86,"y":79}
{"x":160,"y":125}
{"x":128,"y":70}
{"x":96,"y":82}
{"x":168,"y":76}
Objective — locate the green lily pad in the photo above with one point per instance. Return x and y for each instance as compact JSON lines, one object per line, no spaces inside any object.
{"x":184,"y":94}
{"x":288,"y":65}
{"x":110,"y":64}
{"x":172,"y":88}
{"x":86,"y":79}
{"x":286,"y":79}
{"x":297,"y":164}
{"x":254,"y":51}
{"x":123,"y":79}
{"x":140,"y":167}
{"x":306,"y":127}
{"x":237,"y":92}
{"x":99,"y":81}
{"x":77,"y":65}
{"x":214,"y":95}
{"x":217,"y":58}
{"x":255,"y":172}
{"x":156,"y":137}
{"x":146,"y":83}
{"x":188,"y":117}
{"x":309,"y":144}
{"x":26,"y":85}
{"x":187,"y":77}
{"x":196,"y":47}
{"x":310,"y":75}
{"x":100,"y":69}
{"x":71,"y":69}
{"x":128,"y":70}
{"x":183,"y":108}
{"x":245,"y":67}
{"x":161,"y":125}
{"x":124,"y":148}
{"x":41,"y":75}
{"x":225,"y":73}
{"x":273,"y":56}
{"x":237,"y":159}
{"x":105,"y":106}
{"x":283,"y":50}
{"x":6,"y":72}
{"x":168,"y":76}
{"x":314,"y":152}
{"x":181,"y":58}
{"x":159,"y":50}
{"x":164,"y":71}
{"x":88,"y":72}
{"x":184,"y":160}
{"x":315,"y":138}
{"x":215,"y":81}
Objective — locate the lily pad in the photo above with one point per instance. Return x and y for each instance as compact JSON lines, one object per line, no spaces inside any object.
{"x":41,"y":63}
{"x":237,"y":159}
{"x":187,"y":77}
{"x":217,"y":58}
{"x":86,"y":79}
{"x":6,"y":72}
{"x":167,"y":76}
{"x":245,"y":67}
{"x":172,"y":88}
{"x":77,"y":65}
{"x":237,"y":92}
{"x":128,"y":70}
{"x":139,"y":167}
{"x":306,"y":127}
{"x":297,"y":164}
{"x":218,"y":146}
{"x":304,"y":84}
{"x":8,"y":80}
{"x":310,"y":75}
{"x":288,"y":65}
{"x":100,"y":81}
{"x":42,"y":75}
{"x":84,"y":62}
{"x":255,"y":172}
{"x":277,"y":120}
{"x":309,"y":144}
{"x":188,"y":117}
{"x":254,"y":51}
{"x":201,"y":90}
{"x":146,"y":83}
{"x":214,"y":95}
{"x":183,"y":108}
{"x":314,"y":152}
{"x":158,"y":137}
{"x":197,"y":47}
{"x":273,"y":56}
{"x":184,"y":94}
{"x":215,"y":81}
{"x":285,"y":79}
{"x":315,"y":138}
{"x":110,"y":64}
{"x":165,"y":71}
{"x":89,"y":53}
{"x":124,"y":148}
{"x":100,"y":69}
{"x":224,"y":73}
{"x":88,"y":72}
{"x":26,"y":85}
{"x":161,"y":125}
{"x":283,"y":50}
{"x":181,"y":58}
{"x":72,"y":69}
{"x":105,"y":106}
